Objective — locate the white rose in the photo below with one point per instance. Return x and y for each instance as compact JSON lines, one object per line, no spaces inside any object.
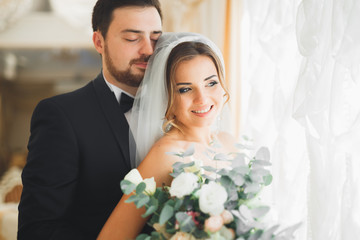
{"x":183,"y":185}
{"x":134,"y":176}
{"x":150,"y":186}
{"x":212,"y":198}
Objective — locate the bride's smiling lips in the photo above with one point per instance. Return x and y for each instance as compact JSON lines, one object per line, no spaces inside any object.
{"x":203,"y":111}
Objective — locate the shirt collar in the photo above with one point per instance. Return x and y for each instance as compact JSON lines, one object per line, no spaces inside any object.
{"x":116,"y":90}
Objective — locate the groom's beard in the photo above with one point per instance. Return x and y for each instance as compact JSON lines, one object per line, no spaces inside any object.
{"x":126,"y":76}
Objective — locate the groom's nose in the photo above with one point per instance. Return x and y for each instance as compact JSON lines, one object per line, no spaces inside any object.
{"x":147,"y":47}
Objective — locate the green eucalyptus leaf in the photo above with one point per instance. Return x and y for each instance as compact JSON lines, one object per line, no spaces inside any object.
{"x":260,"y":171}
{"x":252,"y":188}
{"x":166,"y":213}
{"x":256,"y":235}
{"x":172,"y":153}
{"x":132,"y":198}
{"x":178,"y":204}
{"x":200,"y":234}
{"x":226,"y":181}
{"x":185,"y":222}
{"x":232,"y":195}
{"x":243,"y":170}
{"x":156,"y":236}
{"x":142,"y":201}
{"x":223,"y":172}
{"x":150,"y":211}
{"x":268,"y":234}
{"x":190,"y":164}
{"x":238,"y":179}
{"x":162,"y":197}
{"x":260,"y":211}
{"x":143,"y":236}
{"x":238,"y":161}
{"x":170,"y":202}
{"x":190,"y":151}
{"x":140,"y":187}
{"x":221,"y":157}
{"x":127,"y":187}
{"x":175,"y":174}
{"x":262,"y":163}
{"x":263,"y":154}
{"x":267,"y":180}
{"x":209,"y":169}
{"x":256,"y":177}
{"x":177,"y":165}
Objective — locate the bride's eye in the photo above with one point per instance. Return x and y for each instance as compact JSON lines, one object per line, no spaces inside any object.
{"x":212,"y":83}
{"x":184,"y":90}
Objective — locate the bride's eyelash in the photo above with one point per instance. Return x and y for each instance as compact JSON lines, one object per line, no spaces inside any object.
{"x":184,"y":90}
{"x":213,"y":83}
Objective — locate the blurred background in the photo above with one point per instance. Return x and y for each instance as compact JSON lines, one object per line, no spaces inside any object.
{"x":46,"y":49}
{"x":292,"y":67}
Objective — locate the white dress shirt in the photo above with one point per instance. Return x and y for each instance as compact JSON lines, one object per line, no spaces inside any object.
{"x":117,"y":91}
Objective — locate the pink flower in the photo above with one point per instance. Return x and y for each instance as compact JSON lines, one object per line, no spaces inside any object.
{"x":214,"y":223}
{"x":194,"y":215}
{"x":227,"y":216}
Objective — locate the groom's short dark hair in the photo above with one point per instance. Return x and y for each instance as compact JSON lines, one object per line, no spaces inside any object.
{"x":103,"y":11}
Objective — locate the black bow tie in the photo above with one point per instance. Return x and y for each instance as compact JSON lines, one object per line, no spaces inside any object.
{"x":126,"y":102}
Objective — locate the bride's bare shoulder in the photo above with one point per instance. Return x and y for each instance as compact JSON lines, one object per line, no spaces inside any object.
{"x":158,"y":162}
{"x":168,"y":143}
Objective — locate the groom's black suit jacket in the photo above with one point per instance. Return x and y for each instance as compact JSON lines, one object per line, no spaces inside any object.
{"x":78,"y":154}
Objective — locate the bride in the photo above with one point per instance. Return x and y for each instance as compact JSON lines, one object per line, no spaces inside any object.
{"x":178,"y":104}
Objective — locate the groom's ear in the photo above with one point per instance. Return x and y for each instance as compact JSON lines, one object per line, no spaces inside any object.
{"x":98,"y":41}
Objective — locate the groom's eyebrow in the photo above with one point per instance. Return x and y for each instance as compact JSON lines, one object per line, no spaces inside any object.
{"x":138,"y":31}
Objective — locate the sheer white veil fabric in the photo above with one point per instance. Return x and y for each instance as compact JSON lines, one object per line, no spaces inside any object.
{"x":150,"y":103}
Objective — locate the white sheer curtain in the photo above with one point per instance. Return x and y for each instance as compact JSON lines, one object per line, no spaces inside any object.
{"x":301,"y":94}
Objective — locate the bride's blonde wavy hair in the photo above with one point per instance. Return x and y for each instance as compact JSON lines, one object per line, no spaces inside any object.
{"x":186,"y":51}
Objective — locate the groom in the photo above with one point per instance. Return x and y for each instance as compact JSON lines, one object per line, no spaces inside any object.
{"x":79,"y":147}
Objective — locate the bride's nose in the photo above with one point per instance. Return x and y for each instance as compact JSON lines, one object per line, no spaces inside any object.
{"x":199,"y":97}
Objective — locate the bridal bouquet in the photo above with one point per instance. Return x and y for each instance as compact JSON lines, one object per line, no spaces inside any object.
{"x":207,"y":203}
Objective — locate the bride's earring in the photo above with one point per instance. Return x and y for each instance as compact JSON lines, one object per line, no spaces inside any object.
{"x":168,"y":127}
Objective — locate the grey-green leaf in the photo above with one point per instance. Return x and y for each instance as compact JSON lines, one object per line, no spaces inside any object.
{"x":260,"y":211}
{"x":190,"y":151}
{"x":185,"y":221}
{"x":127,"y":187}
{"x":166,"y":213}
{"x":267,"y":180}
{"x":140,"y":187}
{"x":143,"y":236}
{"x":263,"y":154}
{"x":144,"y":200}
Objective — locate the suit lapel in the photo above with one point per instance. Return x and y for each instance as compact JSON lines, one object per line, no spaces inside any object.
{"x":114,"y":115}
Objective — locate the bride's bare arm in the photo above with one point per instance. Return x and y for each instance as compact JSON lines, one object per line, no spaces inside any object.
{"x":125,"y":222}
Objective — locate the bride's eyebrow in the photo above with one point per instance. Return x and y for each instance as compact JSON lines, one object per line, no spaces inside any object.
{"x":208,"y":78}
{"x":183,"y":83}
